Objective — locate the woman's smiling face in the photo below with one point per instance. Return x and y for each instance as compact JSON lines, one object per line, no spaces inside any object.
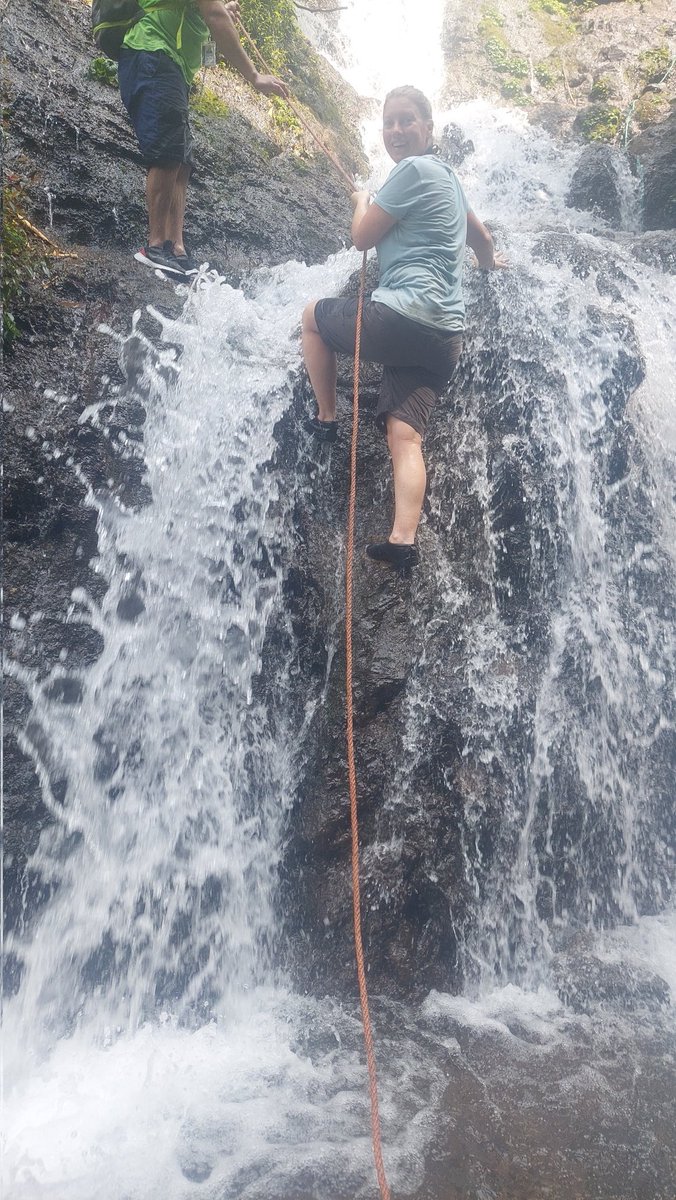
{"x":405,"y":131}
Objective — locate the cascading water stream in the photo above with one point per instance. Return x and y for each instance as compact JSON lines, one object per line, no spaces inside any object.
{"x":152,"y":1049}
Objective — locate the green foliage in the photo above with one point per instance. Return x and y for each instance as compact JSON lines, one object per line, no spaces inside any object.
{"x":512,"y":89}
{"x":601,"y":123}
{"x":648,"y":109}
{"x":544,"y":75}
{"x":23,"y":261}
{"x":503,"y":60}
{"x":654,"y":64}
{"x":602,"y":88}
{"x":284,"y":117}
{"x":273,"y":27}
{"x":208,"y":104}
{"x":103,"y":71}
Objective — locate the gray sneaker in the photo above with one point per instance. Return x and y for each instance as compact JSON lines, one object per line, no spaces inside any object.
{"x":161,"y":259}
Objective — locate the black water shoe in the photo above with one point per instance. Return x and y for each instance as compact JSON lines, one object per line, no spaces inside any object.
{"x":402,"y":558}
{"x":323,"y":431}
{"x":161,"y":258}
{"x":189,"y":264}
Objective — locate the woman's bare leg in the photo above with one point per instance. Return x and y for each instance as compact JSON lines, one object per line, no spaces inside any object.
{"x":321,"y":365}
{"x":410,"y":479}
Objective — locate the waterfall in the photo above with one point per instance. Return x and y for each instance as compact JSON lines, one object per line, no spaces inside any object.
{"x":153,"y":1047}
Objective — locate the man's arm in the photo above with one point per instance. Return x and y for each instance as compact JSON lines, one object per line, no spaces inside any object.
{"x":480,"y":241}
{"x":224,"y":32}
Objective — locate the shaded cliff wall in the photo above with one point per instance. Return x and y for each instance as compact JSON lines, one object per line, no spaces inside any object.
{"x":261,"y":196}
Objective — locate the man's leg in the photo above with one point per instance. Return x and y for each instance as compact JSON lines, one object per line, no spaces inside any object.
{"x":160,"y":189}
{"x":320,"y":361}
{"x":409,"y":479}
{"x":176,"y":216}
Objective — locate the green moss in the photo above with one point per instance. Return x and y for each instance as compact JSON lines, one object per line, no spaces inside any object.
{"x":103,"y":71}
{"x":654,"y":64}
{"x":601,"y":123}
{"x":648,"y":108}
{"x":601,"y":89}
{"x":555,"y":20}
{"x":208,"y":104}
{"x":23,"y":261}
{"x":491,"y":23}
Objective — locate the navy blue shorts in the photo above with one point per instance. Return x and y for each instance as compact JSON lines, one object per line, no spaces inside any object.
{"x":155,"y":94}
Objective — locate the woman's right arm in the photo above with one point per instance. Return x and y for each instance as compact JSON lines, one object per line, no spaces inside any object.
{"x":370,"y":223}
{"x":480,"y":241}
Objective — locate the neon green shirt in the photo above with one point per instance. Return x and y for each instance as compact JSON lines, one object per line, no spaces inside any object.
{"x":178,"y":30}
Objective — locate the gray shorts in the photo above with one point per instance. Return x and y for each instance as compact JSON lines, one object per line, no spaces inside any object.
{"x":418,"y":361}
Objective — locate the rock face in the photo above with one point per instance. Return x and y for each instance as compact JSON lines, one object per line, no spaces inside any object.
{"x":583,"y":980}
{"x":449,"y":688}
{"x":73,"y":155}
{"x":601,"y":75}
{"x":655,"y":152}
{"x":75,"y":151}
{"x":594,"y":186}
{"x":451,"y":664}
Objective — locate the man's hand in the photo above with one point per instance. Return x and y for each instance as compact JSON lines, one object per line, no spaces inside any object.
{"x":233,"y":8}
{"x":359,"y":197}
{"x":269,"y":85}
{"x":500,"y":261}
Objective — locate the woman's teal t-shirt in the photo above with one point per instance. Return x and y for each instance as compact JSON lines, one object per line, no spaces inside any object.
{"x":421,"y":258}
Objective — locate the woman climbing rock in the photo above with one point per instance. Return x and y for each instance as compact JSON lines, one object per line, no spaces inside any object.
{"x":419,"y":222}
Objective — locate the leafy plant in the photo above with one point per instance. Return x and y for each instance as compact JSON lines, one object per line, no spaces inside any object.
{"x":284,"y":117}
{"x":512,"y":89}
{"x":601,"y":88}
{"x":23,"y":261}
{"x":601,"y":123}
{"x":503,"y":60}
{"x":544,"y":75}
{"x":103,"y":70}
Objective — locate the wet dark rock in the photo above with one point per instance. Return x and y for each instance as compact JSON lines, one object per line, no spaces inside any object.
{"x":595,"y":186}
{"x":605,"y":269}
{"x":655,"y":152}
{"x":583,"y":980}
{"x":65,"y":689}
{"x":74,"y":398}
{"x":656,"y":250}
{"x":454,"y":146}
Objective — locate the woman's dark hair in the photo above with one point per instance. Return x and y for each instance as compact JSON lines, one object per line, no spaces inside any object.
{"x":407,"y":92}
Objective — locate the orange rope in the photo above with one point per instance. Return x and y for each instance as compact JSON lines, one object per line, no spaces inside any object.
{"x":331,"y":157}
{"x":349,"y":711}
{"x":351,"y":768}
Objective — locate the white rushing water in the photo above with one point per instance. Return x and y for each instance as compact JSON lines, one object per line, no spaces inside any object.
{"x":152,"y":1050}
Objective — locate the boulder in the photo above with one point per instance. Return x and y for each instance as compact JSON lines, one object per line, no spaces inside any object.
{"x":584,"y":980}
{"x":655,"y":152}
{"x":595,"y":187}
